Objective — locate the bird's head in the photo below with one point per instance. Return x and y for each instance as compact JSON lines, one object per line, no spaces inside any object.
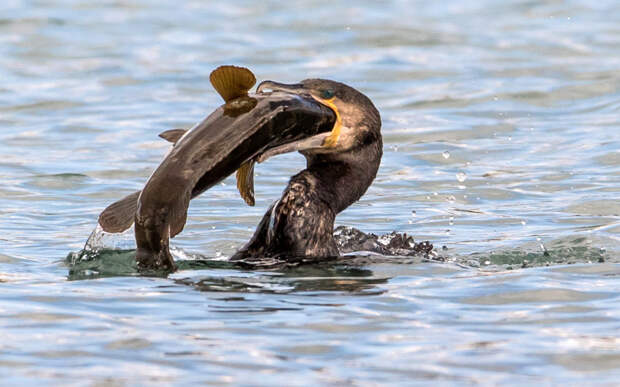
{"x":357,"y":120}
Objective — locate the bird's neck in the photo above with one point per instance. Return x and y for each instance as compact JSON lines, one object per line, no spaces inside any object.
{"x":342,"y":181}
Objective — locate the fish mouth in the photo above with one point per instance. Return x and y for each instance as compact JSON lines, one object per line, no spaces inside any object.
{"x":309,"y":145}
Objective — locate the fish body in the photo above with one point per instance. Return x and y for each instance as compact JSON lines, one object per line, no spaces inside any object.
{"x":235,"y":133}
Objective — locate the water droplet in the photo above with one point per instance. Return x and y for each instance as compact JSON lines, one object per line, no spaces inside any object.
{"x":509,"y":138}
{"x":218,"y":253}
{"x":435,"y":194}
{"x":495,"y":98}
{"x":446,"y":154}
{"x":538,"y":239}
{"x":523,"y":222}
{"x":461,"y":176}
{"x":428,"y":197}
{"x":444,"y":247}
{"x":487,"y":262}
{"x":411,"y":222}
{"x":451,"y":220}
{"x":451,"y":199}
{"x":413,"y":213}
{"x":212,"y":227}
{"x":448,"y":232}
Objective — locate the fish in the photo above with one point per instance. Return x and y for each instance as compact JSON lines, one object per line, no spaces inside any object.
{"x":231,"y":139}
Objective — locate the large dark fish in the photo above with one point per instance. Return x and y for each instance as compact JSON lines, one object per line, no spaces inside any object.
{"x":229,"y":139}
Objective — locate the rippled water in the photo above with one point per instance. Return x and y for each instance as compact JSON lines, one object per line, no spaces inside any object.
{"x":500,"y":123}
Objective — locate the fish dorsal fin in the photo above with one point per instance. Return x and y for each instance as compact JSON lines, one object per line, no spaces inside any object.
{"x":245,"y":181}
{"x":173,"y":135}
{"x":231,"y":81}
{"x":119,"y":216}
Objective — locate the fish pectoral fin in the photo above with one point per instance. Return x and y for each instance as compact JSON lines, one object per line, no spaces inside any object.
{"x":312,"y":143}
{"x":119,"y":216}
{"x":245,"y":181}
{"x":173,"y":135}
{"x":231,"y":81}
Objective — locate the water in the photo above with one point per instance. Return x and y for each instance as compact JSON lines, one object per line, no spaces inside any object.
{"x":500,"y":123}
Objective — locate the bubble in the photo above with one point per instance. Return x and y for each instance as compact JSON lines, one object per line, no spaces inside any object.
{"x":413,"y":213}
{"x":461,"y":176}
{"x":487,"y":262}
{"x":446,"y":154}
{"x":435,"y":194}
{"x":451,"y":220}
{"x":523,"y":222}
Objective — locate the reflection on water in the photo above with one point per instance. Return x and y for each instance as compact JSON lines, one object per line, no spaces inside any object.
{"x":500,"y":124}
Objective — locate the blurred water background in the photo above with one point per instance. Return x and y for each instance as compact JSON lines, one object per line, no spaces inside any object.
{"x":501,"y":131}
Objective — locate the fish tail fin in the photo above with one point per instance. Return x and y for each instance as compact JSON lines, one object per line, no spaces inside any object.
{"x":231,"y":81}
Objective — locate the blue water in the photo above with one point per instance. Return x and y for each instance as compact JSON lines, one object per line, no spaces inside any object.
{"x":500,"y":124}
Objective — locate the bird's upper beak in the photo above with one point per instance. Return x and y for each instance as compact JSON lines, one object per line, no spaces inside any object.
{"x":294,"y":88}
{"x":319,"y":142}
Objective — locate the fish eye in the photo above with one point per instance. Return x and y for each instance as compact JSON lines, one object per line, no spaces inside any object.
{"x":327,"y":94}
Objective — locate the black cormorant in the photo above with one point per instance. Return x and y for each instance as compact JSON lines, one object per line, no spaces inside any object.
{"x":341,"y":165}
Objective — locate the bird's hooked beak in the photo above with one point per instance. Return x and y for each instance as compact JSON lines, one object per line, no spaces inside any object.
{"x":323,"y":141}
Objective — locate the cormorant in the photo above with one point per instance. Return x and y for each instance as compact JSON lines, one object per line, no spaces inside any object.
{"x":340,"y":168}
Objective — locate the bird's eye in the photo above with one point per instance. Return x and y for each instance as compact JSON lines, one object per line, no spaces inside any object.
{"x":327,"y":94}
